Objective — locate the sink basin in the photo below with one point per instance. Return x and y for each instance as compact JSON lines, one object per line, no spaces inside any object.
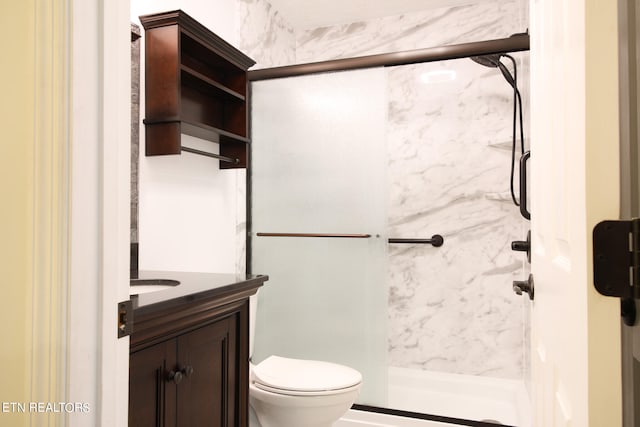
{"x":143,"y":286}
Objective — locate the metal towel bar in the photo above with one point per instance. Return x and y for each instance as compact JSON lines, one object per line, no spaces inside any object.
{"x":207,"y":154}
{"x":342,"y":236}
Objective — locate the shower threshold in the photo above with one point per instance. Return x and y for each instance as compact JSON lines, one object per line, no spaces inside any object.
{"x":425,"y":399}
{"x":391,"y":418}
{"x":361,"y":416}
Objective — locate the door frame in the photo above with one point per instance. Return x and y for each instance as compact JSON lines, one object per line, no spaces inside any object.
{"x":99,"y":176}
{"x":629,"y":72}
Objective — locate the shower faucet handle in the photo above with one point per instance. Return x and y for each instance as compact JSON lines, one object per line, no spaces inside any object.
{"x":520,"y":286}
{"x":523,"y":246}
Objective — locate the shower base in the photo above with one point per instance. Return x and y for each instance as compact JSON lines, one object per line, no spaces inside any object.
{"x":447,"y":395}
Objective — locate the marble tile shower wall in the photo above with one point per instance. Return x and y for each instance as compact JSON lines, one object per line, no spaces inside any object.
{"x":451,"y":308}
{"x":264,"y":35}
{"x":267,"y":39}
{"x":415,"y":30}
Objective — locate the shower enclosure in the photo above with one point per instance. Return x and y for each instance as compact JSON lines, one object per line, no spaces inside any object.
{"x":344,"y":165}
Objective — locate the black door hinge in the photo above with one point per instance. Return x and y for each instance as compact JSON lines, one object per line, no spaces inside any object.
{"x":616,"y":263}
{"x":615,"y":258}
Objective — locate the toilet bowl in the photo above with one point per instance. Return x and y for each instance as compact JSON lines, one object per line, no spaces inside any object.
{"x":286,"y":392}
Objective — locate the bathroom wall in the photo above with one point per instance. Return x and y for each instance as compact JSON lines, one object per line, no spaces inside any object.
{"x":269,"y":39}
{"x":452,"y":308}
{"x":434,"y":27}
{"x":264,"y":34}
{"x":191,"y":213}
{"x":218,"y":16}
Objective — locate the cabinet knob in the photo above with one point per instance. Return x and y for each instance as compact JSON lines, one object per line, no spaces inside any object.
{"x":179,"y":375}
{"x":175,"y":376}
{"x":187,"y":371}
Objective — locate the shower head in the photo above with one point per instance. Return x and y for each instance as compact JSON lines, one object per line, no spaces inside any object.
{"x":493,"y":61}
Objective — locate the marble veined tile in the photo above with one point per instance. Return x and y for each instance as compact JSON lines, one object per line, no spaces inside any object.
{"x":452,"y":308}
{"x":416,"y":30}
{"x":264,"y":34}
{"x":241,"y":222}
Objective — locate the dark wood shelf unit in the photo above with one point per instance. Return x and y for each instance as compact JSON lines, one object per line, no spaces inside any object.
{"x":195,"y":84}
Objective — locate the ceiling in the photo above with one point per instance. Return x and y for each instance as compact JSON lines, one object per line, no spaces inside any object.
{"x":306,"y":14}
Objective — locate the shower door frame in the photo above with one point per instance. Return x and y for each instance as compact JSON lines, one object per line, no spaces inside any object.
{"x":514,"y":43}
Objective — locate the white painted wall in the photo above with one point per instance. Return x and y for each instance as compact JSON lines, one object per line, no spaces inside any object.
{"x":189,"y":209}
{"x":217,"y":15}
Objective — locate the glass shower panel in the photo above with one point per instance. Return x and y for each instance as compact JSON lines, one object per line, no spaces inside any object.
{"x":319,"y":166}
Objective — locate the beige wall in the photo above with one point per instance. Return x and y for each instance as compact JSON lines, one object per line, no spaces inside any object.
{"x":16,"y":192}
{"x":34,"y":150}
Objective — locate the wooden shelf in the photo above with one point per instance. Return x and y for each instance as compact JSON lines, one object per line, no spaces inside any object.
{"x":202,"y":82}
{"x":196,"y":84}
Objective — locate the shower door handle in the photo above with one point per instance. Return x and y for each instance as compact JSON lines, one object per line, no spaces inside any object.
{"x":436,"y":240}
{"x":524,"y":211}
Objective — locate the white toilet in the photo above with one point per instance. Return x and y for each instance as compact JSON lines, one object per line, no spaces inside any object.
{"x":287,"y":392}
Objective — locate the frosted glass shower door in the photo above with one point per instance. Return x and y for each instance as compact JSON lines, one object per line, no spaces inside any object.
{"x":318,"y":166}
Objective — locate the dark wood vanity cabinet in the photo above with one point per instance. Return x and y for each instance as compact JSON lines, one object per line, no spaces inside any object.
{"x":190,"y":380}
{"x":210,"y":398}
{"x":189,"y":361}
{"x":196,"y":84}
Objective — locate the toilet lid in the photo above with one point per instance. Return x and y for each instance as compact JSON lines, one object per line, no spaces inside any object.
{"x":304,"y":375}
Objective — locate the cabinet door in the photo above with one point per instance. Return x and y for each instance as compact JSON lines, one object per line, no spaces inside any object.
{"x":152,"y":397}
{"x":208,"y":395}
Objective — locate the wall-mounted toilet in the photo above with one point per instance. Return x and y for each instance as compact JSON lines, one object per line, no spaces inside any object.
{"x":286,"y":392}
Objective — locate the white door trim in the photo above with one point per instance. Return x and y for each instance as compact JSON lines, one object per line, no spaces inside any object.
{"x":100,"y":176}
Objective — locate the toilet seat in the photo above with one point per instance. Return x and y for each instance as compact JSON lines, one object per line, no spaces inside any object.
{"x":296,"y":377}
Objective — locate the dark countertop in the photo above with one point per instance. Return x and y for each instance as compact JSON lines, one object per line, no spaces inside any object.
{"x":192,"y":287}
